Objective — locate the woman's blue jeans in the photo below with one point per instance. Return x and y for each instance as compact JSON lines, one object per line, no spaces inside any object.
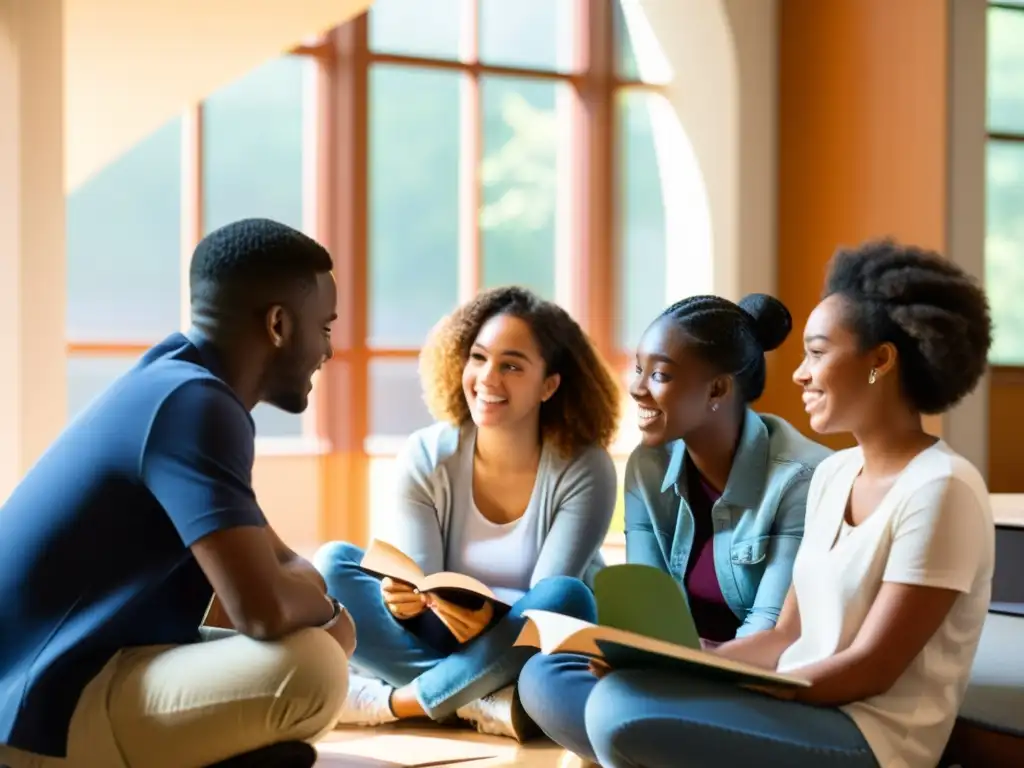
{"x":630,"y":719}
{"x":447,"y":675}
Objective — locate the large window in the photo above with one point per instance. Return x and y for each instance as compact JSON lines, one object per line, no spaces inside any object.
{"x":436,"y":147}
{"x":1004,"y":244}
{"x":505,"y":143}
{"x":123,"y":263}
{"x":132,"y":227}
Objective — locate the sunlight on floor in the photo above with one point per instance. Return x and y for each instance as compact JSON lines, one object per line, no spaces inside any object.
{"x":401,"y":746}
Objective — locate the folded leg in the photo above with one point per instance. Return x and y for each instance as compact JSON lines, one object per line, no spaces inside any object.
{"x":662,"y":720}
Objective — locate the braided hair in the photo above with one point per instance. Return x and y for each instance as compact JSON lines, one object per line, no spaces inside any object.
{"x":734,"y":337}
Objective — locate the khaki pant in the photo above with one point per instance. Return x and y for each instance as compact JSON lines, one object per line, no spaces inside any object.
{"x":192,"y":705}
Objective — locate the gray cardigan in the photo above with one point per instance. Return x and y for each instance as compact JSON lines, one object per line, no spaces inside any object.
{"x":575,"y":499}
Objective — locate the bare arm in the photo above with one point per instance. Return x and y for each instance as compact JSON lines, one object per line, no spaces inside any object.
{"x":765,"y":648}
{"x":197,"y":463}
{"x":344,"y":629}
{"x":261,"y":598}
{"x":293,"y":562}
{"x":902,"y":619}
{"x":938,"y":545}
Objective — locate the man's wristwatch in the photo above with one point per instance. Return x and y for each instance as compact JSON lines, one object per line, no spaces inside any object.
{"x":334,"y":616}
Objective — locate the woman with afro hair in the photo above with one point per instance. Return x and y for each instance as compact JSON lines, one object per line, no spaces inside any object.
{"x":892,"y":581}
{"x":513,"y":486}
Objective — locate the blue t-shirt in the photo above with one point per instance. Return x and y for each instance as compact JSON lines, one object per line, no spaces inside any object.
{"x":94,"y":542}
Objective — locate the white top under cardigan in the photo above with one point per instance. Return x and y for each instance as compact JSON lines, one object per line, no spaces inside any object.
{"x":435,"y":521}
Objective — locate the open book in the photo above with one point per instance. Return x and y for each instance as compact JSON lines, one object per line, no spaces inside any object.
{"x":644,"y":622}
{"x":383,"y":559}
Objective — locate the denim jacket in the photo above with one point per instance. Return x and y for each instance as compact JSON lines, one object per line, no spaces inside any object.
{"x":758,"y":522}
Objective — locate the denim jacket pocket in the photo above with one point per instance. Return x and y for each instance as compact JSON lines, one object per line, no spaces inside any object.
{"x":750,"y":551}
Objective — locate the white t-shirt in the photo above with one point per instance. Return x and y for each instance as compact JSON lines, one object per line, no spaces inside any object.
{"x":933,"y":528}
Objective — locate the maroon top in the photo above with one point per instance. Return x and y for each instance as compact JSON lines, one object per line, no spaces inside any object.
{"x":714,"y":619}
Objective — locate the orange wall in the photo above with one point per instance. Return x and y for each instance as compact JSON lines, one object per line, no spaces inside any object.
{"x":1005,"y":427}
{"x":289,"y":492}
{"x":862,"y":146}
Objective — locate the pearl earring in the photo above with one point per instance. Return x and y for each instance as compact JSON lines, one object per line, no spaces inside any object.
{"x":873,"y":376}
{"x":714,"y":406}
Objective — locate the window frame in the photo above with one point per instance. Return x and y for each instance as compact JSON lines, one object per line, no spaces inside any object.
{"x":588,"y":255}
{"x":335,"y":184}
{"x":1008,"y":374}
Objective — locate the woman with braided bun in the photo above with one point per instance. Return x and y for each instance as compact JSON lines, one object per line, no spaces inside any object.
{"x":714,"y":495}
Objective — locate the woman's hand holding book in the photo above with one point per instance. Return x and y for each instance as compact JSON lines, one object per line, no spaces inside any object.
{"x":402,"y":600}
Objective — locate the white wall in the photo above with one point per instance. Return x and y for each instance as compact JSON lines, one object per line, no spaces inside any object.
{"x":131,"y":65}
{"x":966,"y":426}
{"x":723,"y":58}
{"x":32,"y":292}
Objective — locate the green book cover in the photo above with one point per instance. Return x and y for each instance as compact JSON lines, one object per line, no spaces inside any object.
{"x":647,"y":601}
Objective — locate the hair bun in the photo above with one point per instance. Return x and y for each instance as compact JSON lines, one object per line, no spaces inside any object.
{"x":769,"y":319}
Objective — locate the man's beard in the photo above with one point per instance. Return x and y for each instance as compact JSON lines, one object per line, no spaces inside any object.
{"x":290,"y":384}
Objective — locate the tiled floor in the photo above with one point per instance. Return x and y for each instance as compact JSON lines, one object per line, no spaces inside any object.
{"x":405,"y":746}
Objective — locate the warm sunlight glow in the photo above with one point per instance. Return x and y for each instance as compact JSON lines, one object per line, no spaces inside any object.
{"x":690,"y":264}
{"x":651,"y":62}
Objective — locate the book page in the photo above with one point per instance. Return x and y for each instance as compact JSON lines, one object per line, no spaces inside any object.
{"x":556,"y":633}
{"x":663,"y":648}
{"x":383,"y":559}
{"x":449,"y":580}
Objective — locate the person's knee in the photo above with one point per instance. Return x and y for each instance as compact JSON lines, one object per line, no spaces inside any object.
{"x":565,"y":595}
{"x":609,"y":718}
{"x":335,"y":556}
{"x":315,"y":689}
{"x":537,"y":682}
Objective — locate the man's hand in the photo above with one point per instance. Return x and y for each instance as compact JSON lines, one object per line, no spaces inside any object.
{"x":401,"y":599}
{"x":464,"y":623}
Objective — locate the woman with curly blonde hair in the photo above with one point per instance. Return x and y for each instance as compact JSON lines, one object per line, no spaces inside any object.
{"x":513,"y":486}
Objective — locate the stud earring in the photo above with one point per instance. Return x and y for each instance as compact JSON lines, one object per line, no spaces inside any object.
{"x":873,"y":376}
{"x":714,"y":406}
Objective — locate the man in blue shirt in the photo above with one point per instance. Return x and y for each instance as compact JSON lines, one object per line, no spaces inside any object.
{"x":115,"y":542}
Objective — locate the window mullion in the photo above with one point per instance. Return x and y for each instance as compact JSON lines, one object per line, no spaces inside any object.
{"x":343,"y":391}
{"x":470,"y":157}
{"x":587,"y":267}
{"x":192,"y":224}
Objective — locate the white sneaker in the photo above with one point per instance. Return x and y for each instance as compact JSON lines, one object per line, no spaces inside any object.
{"x":499,"y":714}
{"x":367,"y":703}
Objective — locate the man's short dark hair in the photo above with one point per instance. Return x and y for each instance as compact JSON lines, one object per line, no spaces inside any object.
{"x":254,"y":258}
{"x":934,"y":313}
